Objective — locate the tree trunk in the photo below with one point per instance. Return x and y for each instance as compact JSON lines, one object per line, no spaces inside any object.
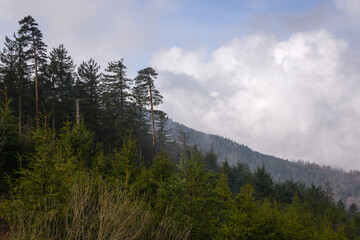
{"x":152,"y":117}
{"x":20,"y":99}
{"x":36,"y":86}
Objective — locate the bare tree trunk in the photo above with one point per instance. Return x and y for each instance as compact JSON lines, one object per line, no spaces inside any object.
{"x":77,"y":102}
{"x":36,"y":86}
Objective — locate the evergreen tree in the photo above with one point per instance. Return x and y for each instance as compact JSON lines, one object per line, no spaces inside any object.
{"x":140,"y":122}
{"x":189,"y":196}
{"x":78,"y":142}
{"x":30,"y":33}
{"x":224,"y":200}
{"x":89,"y":93}
{"x":263,"y":183}
{"x":211,"y":159}
{"x":62,"y":79}
{"x":296,"y":222}
{"x":239,"y":175}
{"x":125,"y":164}
{"x":116,"y":102}
{"x":15,"y":76}
{"x":287,"y":190}
{"x":353,"y":209}
{"x":164,"y":137}
{"x":145,"y":81}
{"x":10,"y":143}
{"x":158,"y":173}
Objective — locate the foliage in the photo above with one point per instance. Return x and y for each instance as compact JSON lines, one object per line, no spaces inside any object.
{"x":10,"y":143}
{"x":94,"y":209}
{"x":189,"y":197}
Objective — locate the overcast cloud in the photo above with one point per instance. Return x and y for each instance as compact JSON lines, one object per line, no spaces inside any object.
{"x":279,"y":76}
{"x":295,"y":98}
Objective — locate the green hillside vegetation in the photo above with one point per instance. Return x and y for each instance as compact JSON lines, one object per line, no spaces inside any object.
{"x":345,"y":185}
{"x":89,"y":157}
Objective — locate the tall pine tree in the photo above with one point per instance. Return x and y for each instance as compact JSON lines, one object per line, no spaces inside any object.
{"x":116,"y":101}
{"x":62,"y":79}
{"x":32,"y":36}
{"x":145,"y":81}
{"x":89,"y":93}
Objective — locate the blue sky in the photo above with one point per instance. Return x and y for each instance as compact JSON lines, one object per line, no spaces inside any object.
{"x":281,"y":76}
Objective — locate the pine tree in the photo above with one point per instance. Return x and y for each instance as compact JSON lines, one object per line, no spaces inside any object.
{"x":211,"y":159}
{"x":296,"y":222}
{"x":224,"y":200}
{"x":353,"y":209}
{"x":159,"y":172}
{"x":125,"y":164}
{"x":140,"y":121}
{"x":239,"y":175}
{"x":30,"y":33}
{"x":145,"y":81}
{"x":263,"y":183}
{"x":116,"y":101}
{"x":240,"y":223}
{"x":62,"y":79}
{"x":189,"y":196}
{"x":15,"y":76}
{"x":10,"y":142}
{"x":89,"y":92}
{"x":164,"y":137}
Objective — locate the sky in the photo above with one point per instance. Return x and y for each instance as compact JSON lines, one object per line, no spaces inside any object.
{"x":280,"y":76}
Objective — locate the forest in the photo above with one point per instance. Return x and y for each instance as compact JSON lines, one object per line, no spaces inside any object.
{"x":345,"y":185}
{"x":85,"y":154}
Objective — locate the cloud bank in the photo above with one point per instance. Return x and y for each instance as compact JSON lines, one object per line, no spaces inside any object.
{"x":351,"y":7}
{"x":104,"y":30}
{"x":296,"y":98}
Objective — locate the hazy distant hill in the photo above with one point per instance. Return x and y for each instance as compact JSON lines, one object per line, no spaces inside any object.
{"x":345,"y":184}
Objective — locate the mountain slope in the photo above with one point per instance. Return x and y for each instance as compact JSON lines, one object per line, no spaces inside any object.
{"x":346,"y":185}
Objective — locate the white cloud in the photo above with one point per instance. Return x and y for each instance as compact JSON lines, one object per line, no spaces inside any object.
{"x":351,"y":7}
{"x":293,"y":98}
{"x":104,"y":30}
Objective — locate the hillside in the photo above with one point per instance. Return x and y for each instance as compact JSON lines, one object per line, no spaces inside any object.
{"x":346,"y":185}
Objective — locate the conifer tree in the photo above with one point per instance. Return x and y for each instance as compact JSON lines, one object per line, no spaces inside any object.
{"x":31,"y":34}
{"x":89,"y":93}
{"x":239,"y":175}
{"x":140,"y":122}
{"x":263,"y":183}
{"x":189,"y":196}
{"x":62,"y":79}
{"x":145,"y":82}
{"x":10,"y":143}
{"x":224,"y":200}
{"x":164,"y":137}
{"x":125,"y":164}
{"x":211,"y":159}
{"x":15,"y":76}
{"x":116,"y":101}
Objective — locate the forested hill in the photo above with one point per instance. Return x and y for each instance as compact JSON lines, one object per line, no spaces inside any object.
{"x":346,"y":185}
